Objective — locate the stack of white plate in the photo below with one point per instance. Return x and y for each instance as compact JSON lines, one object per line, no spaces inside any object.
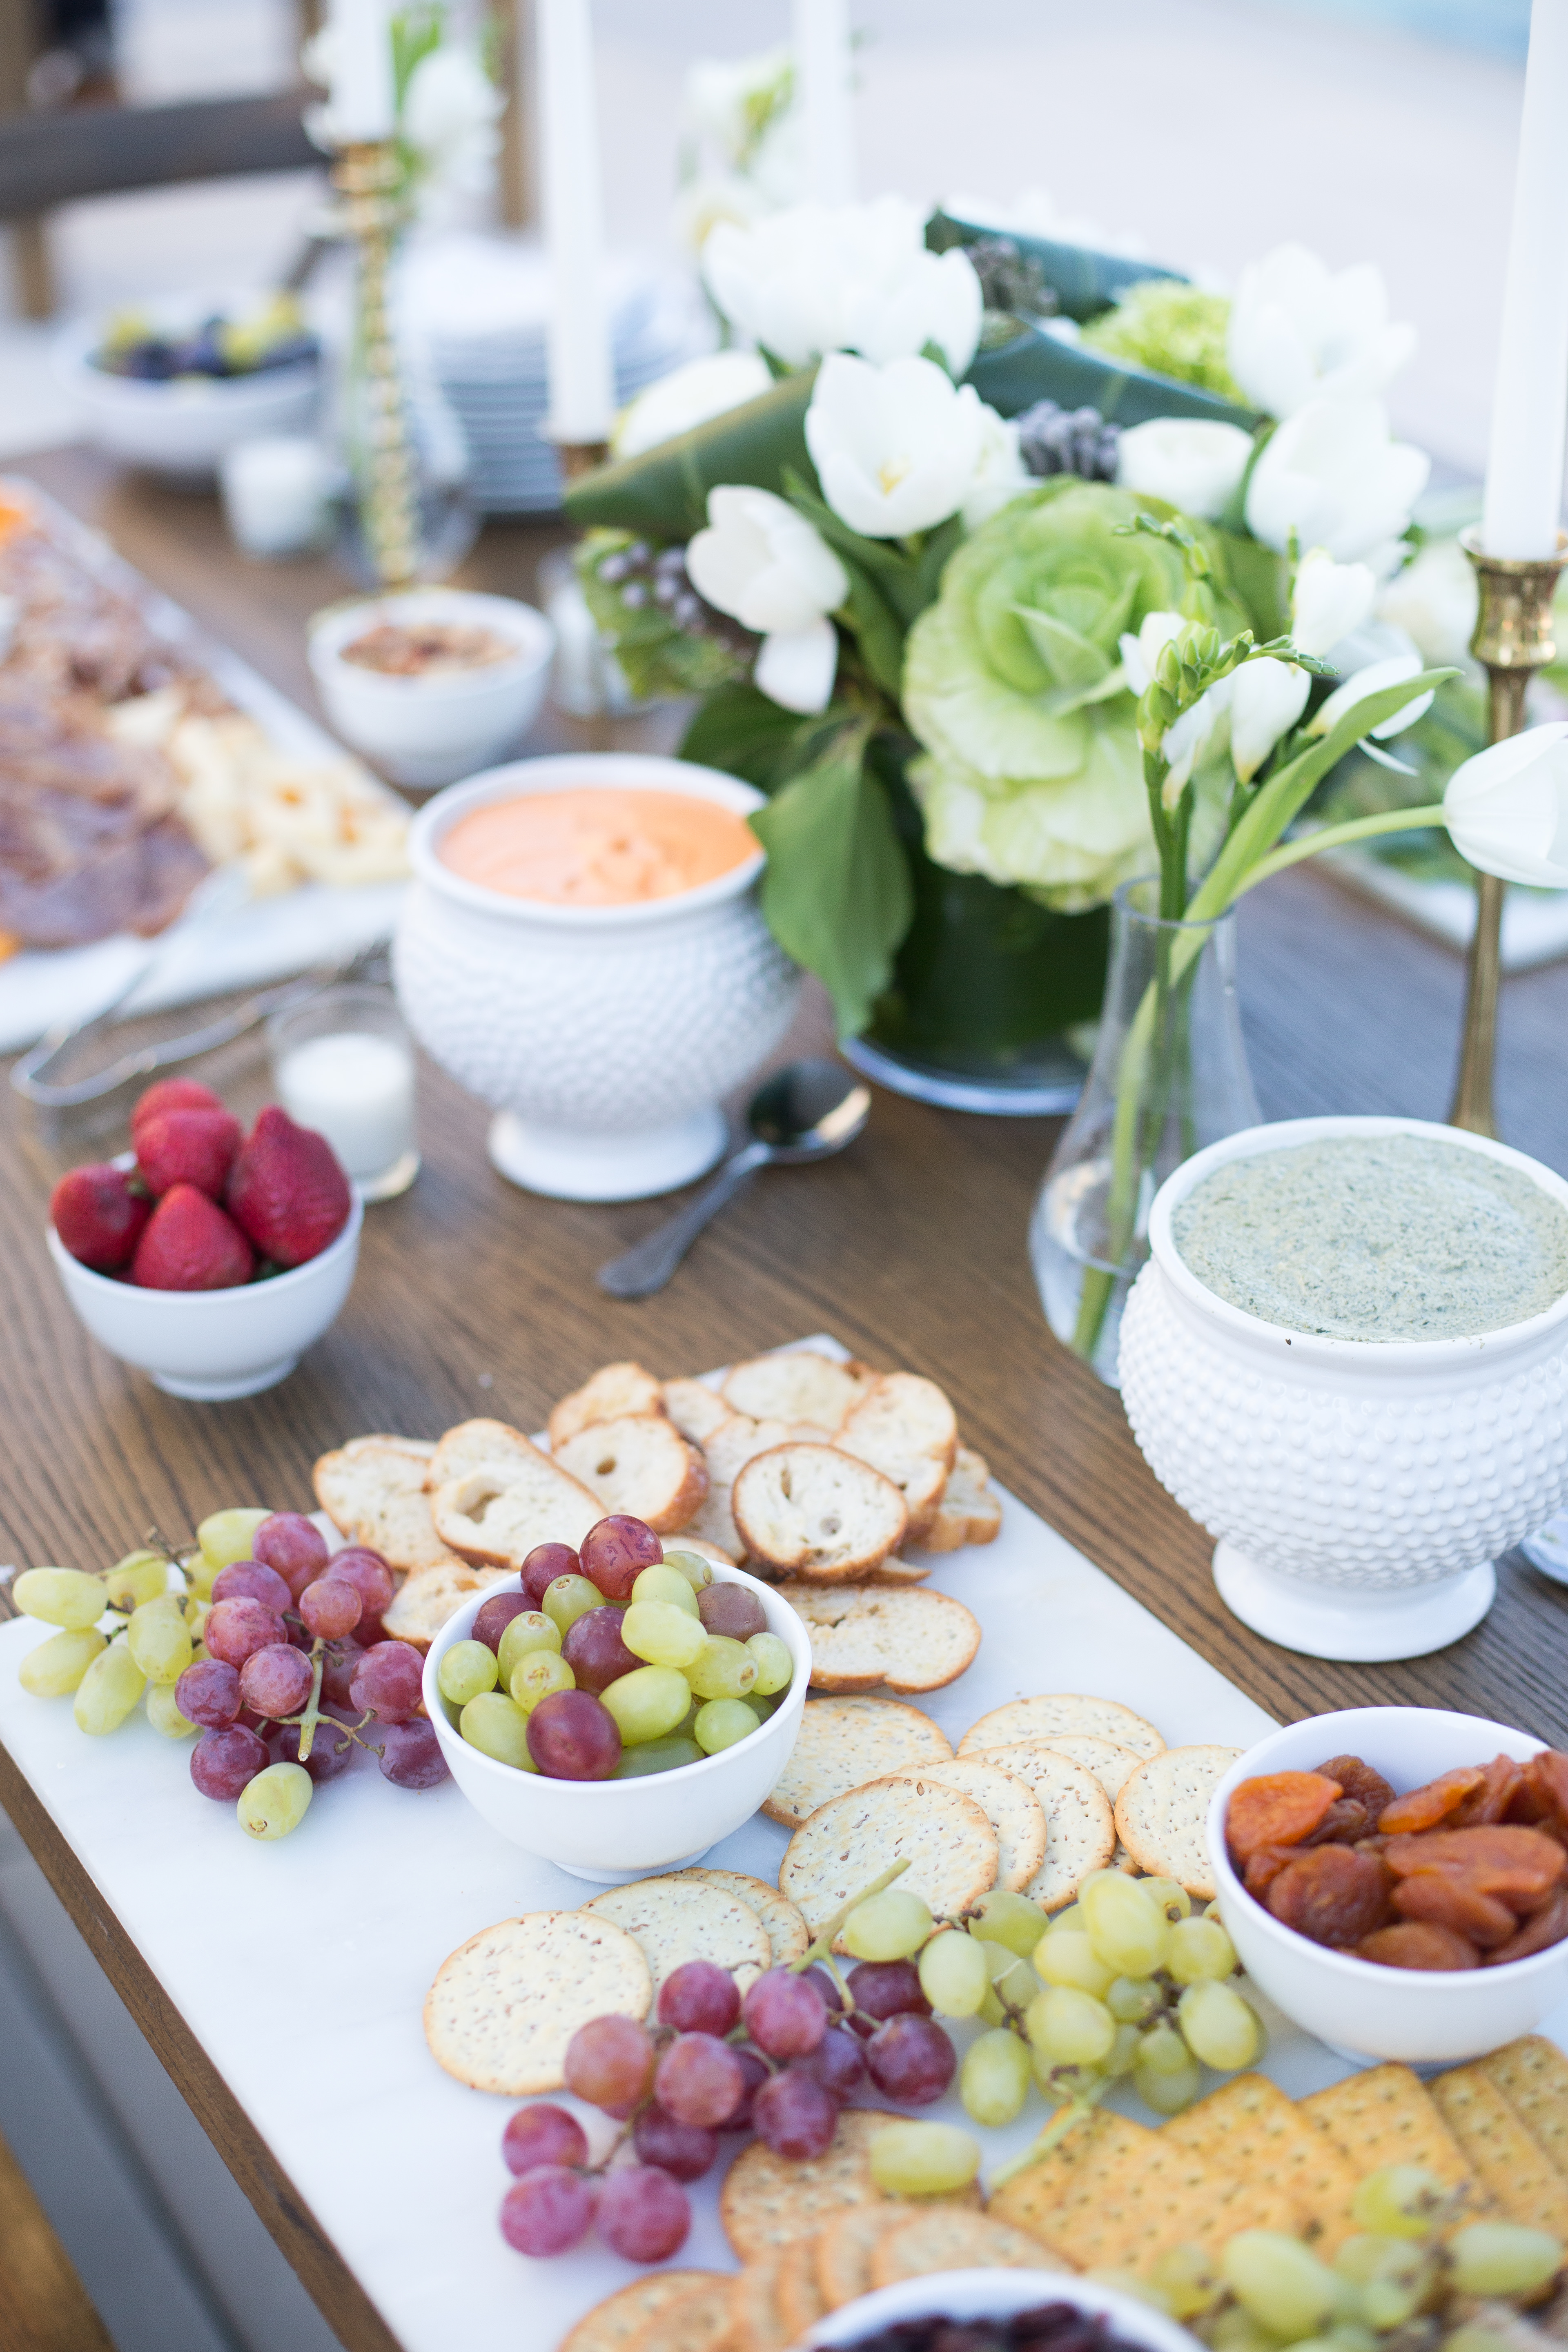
{"x":477,"y":308}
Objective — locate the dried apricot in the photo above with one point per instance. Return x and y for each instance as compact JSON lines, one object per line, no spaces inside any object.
{"x":1434,"y":1801}
{"x":1450,"y":1901}
{"x":1519,"y":1866}
{"x":1280,"y":1809}
{"x":1491,"y":1801}
{"x":1547,"y":1925}
{"x":1346,"y":1820}
{"x":1331,"y":1894}
{"x":1545,"y":1776}
{"x":1358,"y":1780}
{"x":1418,"y":1944}
{"x":1264,"y":1865}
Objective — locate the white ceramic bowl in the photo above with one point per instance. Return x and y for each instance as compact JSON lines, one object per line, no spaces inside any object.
{"x":425,"y":731}
{"x":182,"y":429}
{"x":1361,"y":2008}
{"x":211,"y":1345}
{"x":613,"y":1830}
{"x":996,"y":2295}
{"x":603,"y":1037}
{"x":1361,"y":1489}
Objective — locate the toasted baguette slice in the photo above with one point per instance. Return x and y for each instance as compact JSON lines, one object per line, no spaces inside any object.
{"x":478,"y":1446}
{"x":902,"y":1573}
{"x":614,"y":1390}
{"x":824,"y":1515}
{"x":862,"y":1637}
{"x":695,"y":1408}
{"x":726,"y":1450}
{"x":494,"y":1516}
{"x":969,"y":1513}
{"x":374,"y":1492}
{"x":799,"y":1386}
{"x":639,"y":1464}
{"x":422,"y":1447}
{"x":905,"y":1429}
{"x":427,"y":1598}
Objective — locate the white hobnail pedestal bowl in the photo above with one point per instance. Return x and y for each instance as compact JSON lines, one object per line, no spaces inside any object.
{"x":603,"y":1037}
{"x":1359,"y":1490}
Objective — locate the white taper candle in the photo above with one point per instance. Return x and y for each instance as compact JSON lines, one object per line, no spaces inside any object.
{"x":364,"y":101}
{"x":1530,"y":405}
{"x":823,"y":87}
{"x":581,"y":374}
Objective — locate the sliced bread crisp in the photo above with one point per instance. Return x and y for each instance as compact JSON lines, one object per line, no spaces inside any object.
{"x":421,"y":1448}
{"x":905,"y":1429}
{"x":494,"y":1516}
{"x":695,"y":1408}
{"x":614,"y":1391}
{"x":426,"y":1598}
{"x":797,"y":1385}
{"x":843,"y":1742}
{"x":477,"y":1445}
{"x":862,"y":1636}
{"x":728,"y":1447}
{"x":969,"y":1513}
{"x":639,"y":1463}
{"x":372,"y":1491}
{"x":820,"y":1514}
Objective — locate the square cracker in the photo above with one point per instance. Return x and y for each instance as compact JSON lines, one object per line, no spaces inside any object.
{"x":1532,"y":2075}
{"x":1250,"y":2128}
{"x":1385,"y":2116}
{"x":1132,"y":2194}
{"x":1509,"y":2162}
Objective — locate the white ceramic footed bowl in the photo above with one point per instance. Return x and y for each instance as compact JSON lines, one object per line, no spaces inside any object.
{"x":184,"y":427}
{"x":212,"y":1345}
{"x":1348,"y":1463}
{"x":1359,"y":2006}
{"x":613,"y":1830}
{"x":996,"y":2295}
{"x":425,"y":731}
{"x":603,"y":1037}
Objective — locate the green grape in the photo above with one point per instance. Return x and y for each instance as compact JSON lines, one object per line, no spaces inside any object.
{"x":1399,"y":2201}
{"x":60,"y":1596}
{"x":541,"y":1675}
{"x":110,"y":1687}
{"x":887,"y":1926}
{"x":1219,"y":2028}
{"x":661,"y":1583}
{"x":775,"y":1667}
{"x":1187,"y":2281}
{"x":655,"y":1756}
{"x":650,"y":1702}
{"x":1235,"y":2330}
{"x":528,"y":1632}
{"x":226,"y":1537}
{"x":1502,"y":2258}
{"x":1133,"y":2000}
{"x":1124,"y":2050}
{"x":164,"y":1715}
{"x":1061,"y":2082}
{"x":568,"y":1598}
{"x":497,"y":1726}
{"x":159,"y":1640}
{"x":994,"y":2080}
{"x":1128,"y":2282}
{"x":1349,"y":2336}
{"x":923,"y":2160}
{"x":723,"y":1723}
{"x":1070,"y":2028}
{"x":990,"y":2011}
{"x":1280,"y":2282}
{"x":56,"y":1667}
{"x":721,"y":1669}
{"x":468,"y":1668}
{"x":698,"y":1572}
{"x":1198,"y":1949}
{"x":1071,"y":1922}
{"x":1388,"y":2279}
{"x":1072,"y":1960}
{"x":1167,"y":2093}
{"x":1012,"y":1919}
{"x":954,"y":1975}
{"x":1126,"y":1928}
{"x":1170,"y":1895}
{"x":667,"y":1636}
{"x":140,"y":1576}
{"x":1475,"y":2335}
{"x":276,"y":1801}
{"x":1017,"y":1986}
{"x":1163,"y":2051}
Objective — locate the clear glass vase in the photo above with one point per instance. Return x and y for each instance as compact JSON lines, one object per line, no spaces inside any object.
{"x":1169,"y":1077}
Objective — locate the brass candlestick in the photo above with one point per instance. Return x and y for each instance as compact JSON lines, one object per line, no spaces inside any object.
{"x":368,"y":174}
{"x":1512,"y":640}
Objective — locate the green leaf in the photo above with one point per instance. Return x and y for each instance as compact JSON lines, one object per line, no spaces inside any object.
{"x":664,"y":492}
{"x":897,"y":574}
{"x":740,"y":731}
{"x":1036,"y":366}
{"x":877,"y":631}
{"x":836,"y":891}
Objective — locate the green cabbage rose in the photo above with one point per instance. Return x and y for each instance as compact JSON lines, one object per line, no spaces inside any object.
{"x":1013,"y":683}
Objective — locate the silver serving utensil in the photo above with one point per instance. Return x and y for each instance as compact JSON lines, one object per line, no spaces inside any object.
{"x":807,"y":1110}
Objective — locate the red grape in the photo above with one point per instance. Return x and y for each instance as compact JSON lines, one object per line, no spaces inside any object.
{"x":698,"y":2080}
{"x":643,"y":2213}
{"x":543,"y":1564}
{"x":331,"y":1749}
{"x":411,"y":1754}
{"x":609,"y":2062}
{"x":757,"y":2073}
{"x":833,"y":1998}
{"x":367,"y":1572}
{"x":594,"y":1650}
{"x":297,"y":1633}
{"x":573,"y":1735}
{"x":338,"y":1670}
{"x":795,"y":2115}
{"x":224,"y":1762}
{"x":784,"y":2014}
{"x":208,"y":1694}
{"x":548,"y":2210}
{"x":729,"y":1609}
{"x":542,"y":2135}
{"x":683,"y":2150}
{"x":330,"y":1607}
{"x":497,"y":1613}
{"x":386,"y":1680}
{"x":910,"y":2058}
{"x":275,"y":1681}
{"x":698,"y":1998}
{"x":236,"y":1629}
{"x":614,"y":1553}
{"x":288,"y":1542}
{"x":249,"y":1579}
{"x":888,"y":1989}
{"x":835,"y":2062}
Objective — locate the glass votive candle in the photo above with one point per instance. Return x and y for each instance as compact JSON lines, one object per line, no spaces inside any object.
{"x":276,"y":496}
{"x":343,"y":1062}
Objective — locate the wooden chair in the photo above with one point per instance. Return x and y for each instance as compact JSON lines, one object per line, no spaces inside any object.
{"x":44,"y":2307}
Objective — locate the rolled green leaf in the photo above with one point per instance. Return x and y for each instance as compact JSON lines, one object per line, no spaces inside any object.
{"x":1037,"y":366}
{"x":664,"y":492}
{"x":1083,"y":281}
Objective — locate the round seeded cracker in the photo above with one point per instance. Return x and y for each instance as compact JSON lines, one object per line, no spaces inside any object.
{"x":697,"y":2321}
{"x":787,"y":1931}
{"x":844,"y":1742}
{"x":505,"y":2004}
{"x":955,"y":2241}
{"x":1010,"y":1805}
{"x":1110,"y":1763}
{"x":949,"y":1844}
{"x":1162,"y":1812}
{"x":1080,"y":1828}
{"x":612,"y":2325}
{"x":768,"y":2200}
{"x":1053,"y":1713}
{"x":676,"y":1918}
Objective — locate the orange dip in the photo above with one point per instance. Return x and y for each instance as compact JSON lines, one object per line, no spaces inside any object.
{"x":591,"y":847}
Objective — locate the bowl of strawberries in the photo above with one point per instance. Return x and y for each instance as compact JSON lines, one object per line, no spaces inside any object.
{"x":209,"y":1258}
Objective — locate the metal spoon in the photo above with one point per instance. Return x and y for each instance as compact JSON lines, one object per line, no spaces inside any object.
{"x":808,"y":1111}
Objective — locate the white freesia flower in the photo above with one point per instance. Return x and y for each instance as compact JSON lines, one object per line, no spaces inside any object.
{"x":690,"y":395}
{"x":1332,"y":475}
{"x":1506,"y":809}
{"x":1371,"y":680}
{"x":1328,"y":600}
{"x":1186,"y":741}
{"x":1000,"y":472}
{"x":732,"y":100}
{"x":1298,"y":331}
{"x":1190,"y":462}
{"x":1433,"y":599}
{"x":1266,"y":697}
{"x":450,"y":116}
{"x":763,"y":564}
{"x":819,"y":278}
{"x":1141,"y":653}
{"x":897,"y":447}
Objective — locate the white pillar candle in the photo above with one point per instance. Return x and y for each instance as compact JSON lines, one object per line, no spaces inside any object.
{"x":275,"y":494}
{"x":1530,"y":405}
{"x":356,"y":1089}
{"x":364,"y":100}
{"x":582,"y":376}
{"x":823,"y":83}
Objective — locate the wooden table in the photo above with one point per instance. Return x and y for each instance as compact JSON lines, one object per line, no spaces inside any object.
{"x":476,"y":1298}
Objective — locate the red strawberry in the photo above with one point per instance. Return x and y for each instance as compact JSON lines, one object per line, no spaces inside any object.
{"x":98,"y":1217}
{"x":190,"y":1244}
{"x":171,"y":1093}
{"x":188,"y":1147}
{"x":287,"y":1194}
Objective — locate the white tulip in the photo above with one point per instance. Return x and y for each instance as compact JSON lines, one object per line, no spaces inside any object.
{"x":1332,"y":475}
{"x":1297,"y":331}
{"x":897,"y":447}
{"x":858,"y":277}
{"x":1266,"y":697}
{"x":1000,"y":473}
{"x":796,"y":667}
{"x":1141,"y":653}
{"x":1506,"y":809}
{"x":1434,"y":601}
{"x":727,"y":98}
{"x":774,"y":572}
{"x":1329,"y":600}
{"x":450,"y":115}
{"x":689,"y":396}
{"x":1371,"y":680}
{"x":1191,"y":463}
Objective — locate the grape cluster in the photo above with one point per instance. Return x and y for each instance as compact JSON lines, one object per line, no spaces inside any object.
{"x":269,"y":1629}
{"x":614,"y":1660}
